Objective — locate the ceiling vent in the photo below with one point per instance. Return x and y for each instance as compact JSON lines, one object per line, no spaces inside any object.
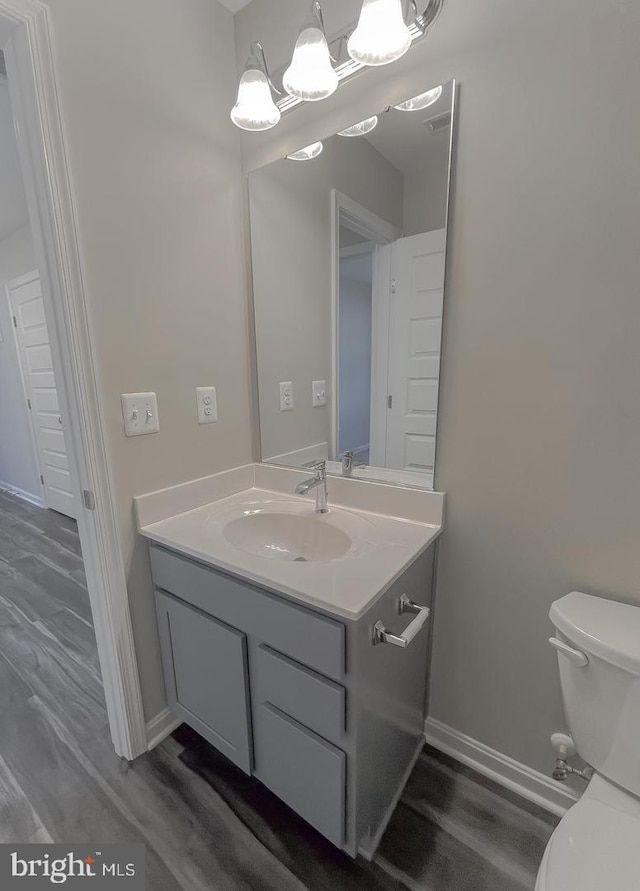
{"x":438,"y":123}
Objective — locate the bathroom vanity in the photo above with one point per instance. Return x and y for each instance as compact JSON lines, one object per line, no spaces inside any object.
{"x":308,"y":672}
{"x":296,"y":641}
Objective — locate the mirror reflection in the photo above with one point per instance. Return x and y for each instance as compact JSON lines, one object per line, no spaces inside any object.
{"x":348,"y":247}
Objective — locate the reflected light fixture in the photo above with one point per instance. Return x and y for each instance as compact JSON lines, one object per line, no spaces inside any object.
{"x":382,"y":35}
{"x":307,"y":153}
{"x":255,"y":108}
{"x":311,"y":76}
{"x":423,"y":100}
{"x":361,"y":128}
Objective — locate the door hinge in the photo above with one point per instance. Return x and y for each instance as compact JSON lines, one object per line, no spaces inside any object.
{"x":88,"y":499}
{"x":393,"y":286}
{"x":15,"y":322}
{"x":29,"y":403}
{"x":389,"y":401}
{"x":42,"y":479}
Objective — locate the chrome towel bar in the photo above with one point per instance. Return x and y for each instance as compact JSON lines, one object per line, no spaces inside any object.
{"x":381,"y":635}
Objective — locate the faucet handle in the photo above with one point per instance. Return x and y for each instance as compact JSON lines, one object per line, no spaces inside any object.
{"x":320,"y":468}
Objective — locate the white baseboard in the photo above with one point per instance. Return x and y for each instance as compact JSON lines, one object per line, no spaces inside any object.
{"x":506,"y":771}
{"x":301,"y":456}
{"x":22,"y":493}
{"x":159,"y":728}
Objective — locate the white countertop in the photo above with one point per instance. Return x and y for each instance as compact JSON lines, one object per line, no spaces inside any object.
{"x":382,"y":548}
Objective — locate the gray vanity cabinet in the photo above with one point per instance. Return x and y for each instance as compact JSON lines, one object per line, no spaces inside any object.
{"x":327,"y":719}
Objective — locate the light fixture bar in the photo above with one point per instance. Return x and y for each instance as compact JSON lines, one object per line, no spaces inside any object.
{"x":419,"y":28}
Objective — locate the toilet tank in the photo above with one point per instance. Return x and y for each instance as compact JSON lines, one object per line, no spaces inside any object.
{"x":602,"y":697}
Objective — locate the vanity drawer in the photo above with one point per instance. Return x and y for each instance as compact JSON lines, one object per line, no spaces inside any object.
{"x":302,"y":769}
{"x":306,"y":636}
{"x":315,"y":701}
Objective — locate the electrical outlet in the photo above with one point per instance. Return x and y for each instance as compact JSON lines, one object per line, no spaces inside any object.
{"x":319,"y":393}
{"x":286,"y":396}
{"x":140,"y":412}
{"x":207,"y":405}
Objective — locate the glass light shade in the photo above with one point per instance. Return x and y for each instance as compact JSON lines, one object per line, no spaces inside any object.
{"x":311,"y":76}
{"x":361,"y":128}
{"x":255,"y":108}
{"x":423,"y":100}
{"x":382,"y":35}
{"x":307,"y":153}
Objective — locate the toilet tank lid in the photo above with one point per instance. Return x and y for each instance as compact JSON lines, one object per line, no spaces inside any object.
{"x":605,"y":628}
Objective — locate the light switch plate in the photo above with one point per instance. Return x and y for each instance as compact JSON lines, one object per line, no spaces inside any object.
{"x":286,"y":396}
{"x":207,"y":405}
{"x":140,"y":412}
{"x":319,"y":393}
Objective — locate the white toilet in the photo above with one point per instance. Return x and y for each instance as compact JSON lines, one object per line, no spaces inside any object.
{"x":596,"y":846}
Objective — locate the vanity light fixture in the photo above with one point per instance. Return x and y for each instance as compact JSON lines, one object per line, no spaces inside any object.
{"x":255,"y":108}
{"x":420,"y":102}
{"x":382,"y":35}
{"x":308,"y":153}
{"x":311,"y":76}
{"x":361,"y":128}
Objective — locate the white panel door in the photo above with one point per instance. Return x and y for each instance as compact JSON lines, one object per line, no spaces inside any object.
{"x":32,"y":340}
{"x":415,"y":329}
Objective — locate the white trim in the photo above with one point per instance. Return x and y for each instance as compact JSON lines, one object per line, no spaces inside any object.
{"x":357,"y":250}
{"x":22,"y":493}
{"x":380,"y":326}
{"x":300,"y":457}
{"x":43,"y":156}
{"x":160,"y":727}
{"x":363,"y":221}
{"x":531,"y":784}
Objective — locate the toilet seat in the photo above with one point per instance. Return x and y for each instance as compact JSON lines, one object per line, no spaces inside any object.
{"x":595,"y":847}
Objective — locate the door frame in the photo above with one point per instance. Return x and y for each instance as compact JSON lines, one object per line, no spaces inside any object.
{"x":25,"y":37}
{"x":9,"y":286}
{"x":376,"y":230}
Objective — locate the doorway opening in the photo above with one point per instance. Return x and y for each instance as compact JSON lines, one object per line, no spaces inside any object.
{"x":54,"y":370}
{"x":387,"y":318}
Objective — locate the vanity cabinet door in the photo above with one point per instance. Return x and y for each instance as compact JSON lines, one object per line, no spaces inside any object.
{"x":206,"y":676}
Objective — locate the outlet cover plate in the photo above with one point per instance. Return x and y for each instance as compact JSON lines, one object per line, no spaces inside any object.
{"x":286,"y":396}
{"x":207,"y":405}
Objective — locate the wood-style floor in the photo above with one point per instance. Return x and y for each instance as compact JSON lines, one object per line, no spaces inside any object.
{"x":205,"y":825}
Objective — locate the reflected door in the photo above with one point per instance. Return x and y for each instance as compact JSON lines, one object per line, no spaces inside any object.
{"x":32,"y":341}
{"x":415,"y":325}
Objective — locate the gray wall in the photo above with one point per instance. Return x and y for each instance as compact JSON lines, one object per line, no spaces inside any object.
{"x":17,"y":459}
{"x":146,"y":89}
{"x":291,"y":247}
{"x":425,"y":192}
{"x":539,"y":418}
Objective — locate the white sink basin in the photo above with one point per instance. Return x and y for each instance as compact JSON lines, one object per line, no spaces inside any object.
{"x":290,"y":538}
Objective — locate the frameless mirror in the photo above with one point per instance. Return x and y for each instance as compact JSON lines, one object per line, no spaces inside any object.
{"x":348,"y":250}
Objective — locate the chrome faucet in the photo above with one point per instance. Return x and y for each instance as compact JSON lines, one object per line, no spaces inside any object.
{"x":318,"y":482}
{"x":349,"y":464}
